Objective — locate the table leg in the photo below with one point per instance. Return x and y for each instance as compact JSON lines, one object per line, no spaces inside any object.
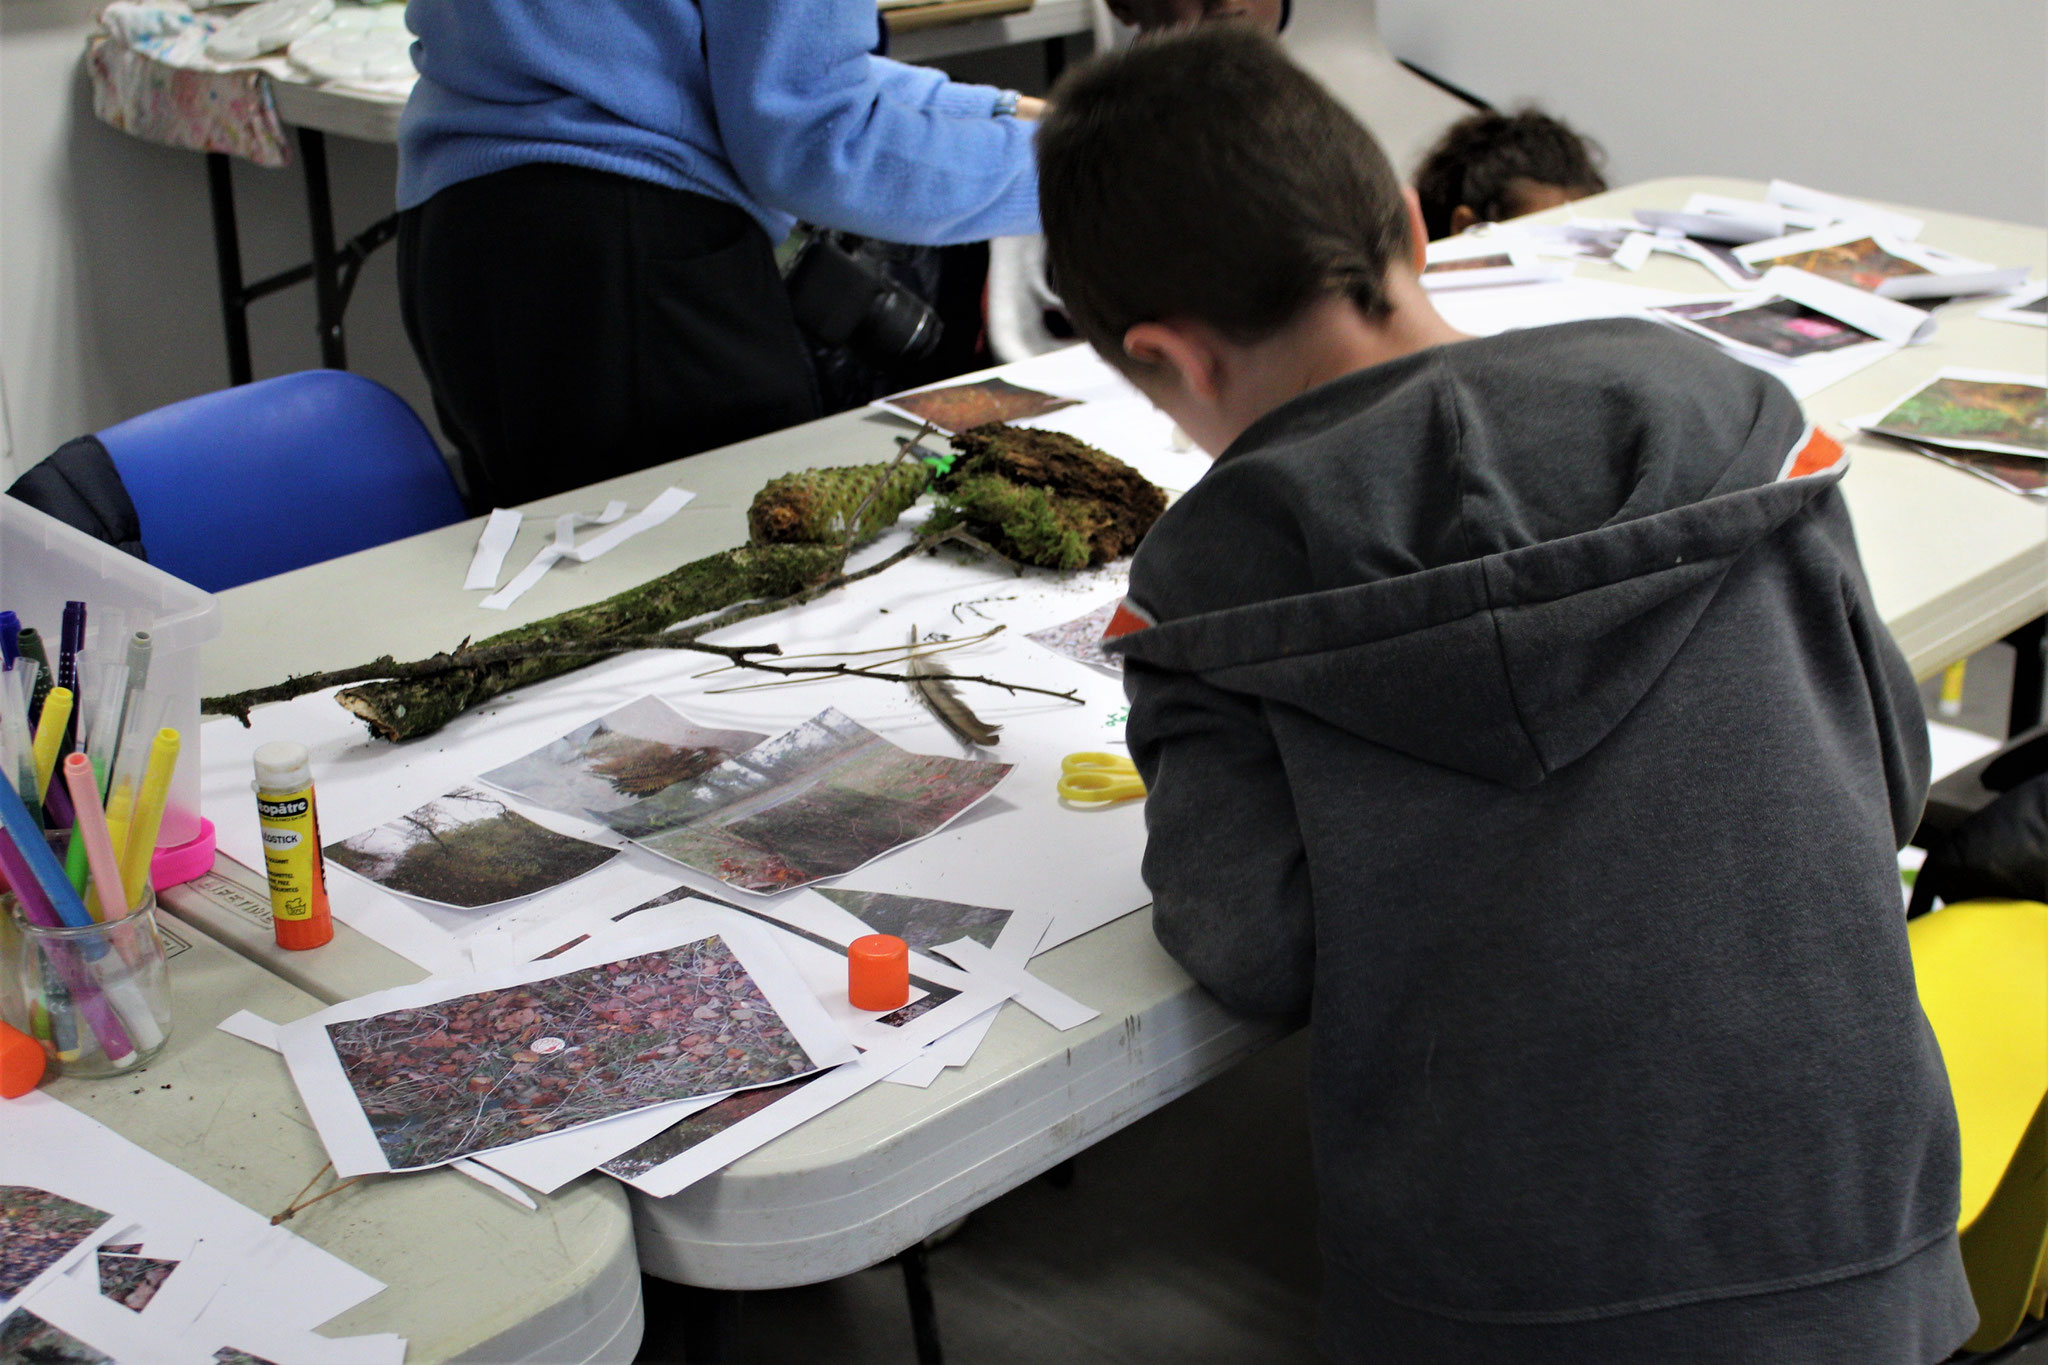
{"x":326,"y":260}
{"x":924,"y":1318}
{"x":227,"y":252}
{"x":2028,"y":675}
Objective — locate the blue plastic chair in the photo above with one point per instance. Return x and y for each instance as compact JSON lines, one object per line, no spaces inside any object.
{"x":260,"y":479}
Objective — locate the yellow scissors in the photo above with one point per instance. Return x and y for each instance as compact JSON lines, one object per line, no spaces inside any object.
{"x":1097,"y":777}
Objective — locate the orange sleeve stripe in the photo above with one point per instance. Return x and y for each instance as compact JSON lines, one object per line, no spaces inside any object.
{"x":1127,"y":620}
{"x":1821,"y":451}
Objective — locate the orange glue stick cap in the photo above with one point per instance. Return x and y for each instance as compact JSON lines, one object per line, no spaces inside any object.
{"x":21,"y":1062}
{"x":877,"y":973}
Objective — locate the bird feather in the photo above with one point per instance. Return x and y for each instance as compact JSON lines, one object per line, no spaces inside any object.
{"x":928,"y":681}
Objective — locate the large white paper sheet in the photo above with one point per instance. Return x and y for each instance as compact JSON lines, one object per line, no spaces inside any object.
{"x":346,"y":1130}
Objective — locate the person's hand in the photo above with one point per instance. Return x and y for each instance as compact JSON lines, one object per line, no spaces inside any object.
{"x":1030,"y":106}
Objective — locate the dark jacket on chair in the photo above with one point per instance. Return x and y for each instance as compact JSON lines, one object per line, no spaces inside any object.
{"x":1518,"y":710}
{"x":80,"y":487}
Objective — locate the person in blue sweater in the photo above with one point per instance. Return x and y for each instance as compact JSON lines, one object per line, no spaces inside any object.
{"x":590,"y":197}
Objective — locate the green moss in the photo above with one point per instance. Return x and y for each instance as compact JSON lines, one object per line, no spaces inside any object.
{"x":1030,"y":523}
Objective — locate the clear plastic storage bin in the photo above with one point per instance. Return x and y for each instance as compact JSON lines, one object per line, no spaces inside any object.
{"x":44,"y":563}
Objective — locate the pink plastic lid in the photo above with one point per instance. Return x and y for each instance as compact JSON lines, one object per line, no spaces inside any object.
{"x":178,"y":863}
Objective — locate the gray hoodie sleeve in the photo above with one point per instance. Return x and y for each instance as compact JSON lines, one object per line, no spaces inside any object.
{"x":1894,"y":695}
{"x":1224,"y":856}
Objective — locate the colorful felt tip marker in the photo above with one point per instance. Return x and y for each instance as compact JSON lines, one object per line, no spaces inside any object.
{"x":50,"y":737}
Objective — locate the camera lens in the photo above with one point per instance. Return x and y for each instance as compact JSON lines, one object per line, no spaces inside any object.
{"x":898,"y":326}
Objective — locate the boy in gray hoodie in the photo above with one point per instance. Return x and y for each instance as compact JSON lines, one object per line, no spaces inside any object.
{"x":1516,"y":709}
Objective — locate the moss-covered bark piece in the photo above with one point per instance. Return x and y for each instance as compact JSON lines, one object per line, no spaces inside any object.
{"x":407,"y":709}
{"x":818,"y":506}
{"x":1045,"y":498}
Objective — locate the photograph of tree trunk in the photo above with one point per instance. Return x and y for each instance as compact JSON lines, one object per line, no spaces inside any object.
{"x":467,"y":849}
{"x":637,"y":751}
{"x":812,"y":802}
{"x":496,"y":1067}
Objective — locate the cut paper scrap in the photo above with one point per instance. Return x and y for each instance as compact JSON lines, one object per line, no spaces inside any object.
{"x":491,"y":1180}
{"x":132,"y":1280}
{"x":489,"y":561}
{"x":1081,"y":638}
{"x":41,"y":1233}
{"x":419,"y":1075}
{"x":2028,"y":307}
{"x":467,"y":849}
{"x":1055,"y":1007}
{"x":816,"y":801}
{"x":230,"y":1256}
{"x":924,"y":922}
{"x":253,"y":1027}
{"x":623,"y":757}
{"x":709,"y":1141}
{"x":954,"y":407}
{"x":564,"y":546}
{"x":28,"y":1339}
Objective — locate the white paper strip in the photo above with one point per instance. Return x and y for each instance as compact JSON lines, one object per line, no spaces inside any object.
{"x":546,"y":1164}
{"x":556,"y":550}
{"x":1791,"y":196}
{"x":1882,"y":318}
{"x":254,"y":1027}
{"x":491,"y":1180}
{"x":1955,"y":285}
{"x":665,"y":505}
{"x":499,"y":533}
{"x":1633,"y":251}
{"x":1060,"y":1010}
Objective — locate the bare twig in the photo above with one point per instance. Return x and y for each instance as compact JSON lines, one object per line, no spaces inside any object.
{"x":888,"y":473}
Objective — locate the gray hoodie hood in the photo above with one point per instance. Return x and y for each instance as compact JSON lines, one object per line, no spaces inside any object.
{"x":1512,"y":664}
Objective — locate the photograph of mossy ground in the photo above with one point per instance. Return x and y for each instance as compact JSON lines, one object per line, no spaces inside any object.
{"x":130,"y":1280}
{"x":814,"y":802}
{"x":961,"y":406}
{"x":467,"y":849}
{"x":1973,"y":414}
{"x":707,"y":1122}
{"x":235,"y":1355}
{"x":1861,"y":264}
{"x":922,"y":923}
{"x":640,"y":750}
{"x":496,"y":1067}
{"x":37,"y":1230}
{"x":26,"y":1338}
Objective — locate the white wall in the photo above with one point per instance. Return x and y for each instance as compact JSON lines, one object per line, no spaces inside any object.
{"x":1941,"y":105}
{"x":107,"y":288}
{"x":108,"y":298}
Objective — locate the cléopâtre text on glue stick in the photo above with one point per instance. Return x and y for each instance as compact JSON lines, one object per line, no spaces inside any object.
{"x":291,"y":845}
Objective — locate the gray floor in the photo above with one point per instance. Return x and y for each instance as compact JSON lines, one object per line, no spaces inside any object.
{"x":1185,"y":1238}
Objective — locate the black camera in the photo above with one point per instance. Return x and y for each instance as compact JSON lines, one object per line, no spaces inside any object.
{"x":843,"y":296}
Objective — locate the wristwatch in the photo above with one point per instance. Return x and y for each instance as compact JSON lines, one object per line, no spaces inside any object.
{"x":1006,"y":103}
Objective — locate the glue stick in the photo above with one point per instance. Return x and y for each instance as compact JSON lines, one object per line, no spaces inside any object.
{"x":291,"y":845}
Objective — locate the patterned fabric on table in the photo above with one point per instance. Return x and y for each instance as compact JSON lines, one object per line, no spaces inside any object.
{"x":202,"y":111}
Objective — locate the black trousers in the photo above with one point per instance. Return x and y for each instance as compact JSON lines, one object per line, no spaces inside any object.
{"x":577,"y":325}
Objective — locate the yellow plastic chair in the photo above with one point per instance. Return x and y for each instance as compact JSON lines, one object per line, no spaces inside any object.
{"x":1982,"y":968}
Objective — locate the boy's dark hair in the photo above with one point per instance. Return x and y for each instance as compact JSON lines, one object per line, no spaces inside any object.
{"x":1478,"y":159}
{"x":1203,"y":175}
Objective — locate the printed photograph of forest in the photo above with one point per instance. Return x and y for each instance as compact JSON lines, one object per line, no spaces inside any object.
{"x":637,"y":751}
{"x":813,"y":802}
{"x":467,"y":849}
{"x":1974,"y":414}
{"x":1861,"y":264}
{"x":497,"y":1067}
{"x":37,"y":1229}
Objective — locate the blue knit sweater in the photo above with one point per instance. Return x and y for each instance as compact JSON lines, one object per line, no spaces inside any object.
{"x":777,"y":106}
